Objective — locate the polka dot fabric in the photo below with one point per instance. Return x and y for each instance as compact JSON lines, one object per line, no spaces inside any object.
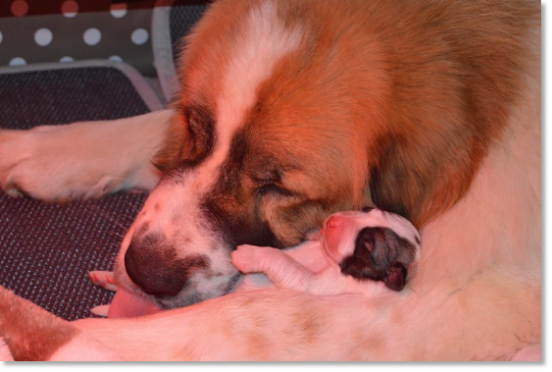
{"x":34,"y":31}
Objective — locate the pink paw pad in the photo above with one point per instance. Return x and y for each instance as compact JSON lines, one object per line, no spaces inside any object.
{"x":104,"y":279}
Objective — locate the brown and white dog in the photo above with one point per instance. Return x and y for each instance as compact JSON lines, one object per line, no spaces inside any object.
{"x":293,"y":110}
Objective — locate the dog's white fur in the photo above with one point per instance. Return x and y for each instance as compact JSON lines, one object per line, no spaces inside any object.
{"x":84,"y":348}
{"x":477,"y":293}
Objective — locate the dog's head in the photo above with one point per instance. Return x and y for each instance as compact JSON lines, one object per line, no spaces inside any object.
{"x":375,"y":245}
{"x":261,"y":151}
{"x":288,"y":113}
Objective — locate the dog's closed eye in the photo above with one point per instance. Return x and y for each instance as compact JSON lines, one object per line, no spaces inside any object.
{"x":272,"y":188}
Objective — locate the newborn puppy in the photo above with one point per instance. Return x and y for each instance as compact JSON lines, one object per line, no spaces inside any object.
{"x":355,"y":252}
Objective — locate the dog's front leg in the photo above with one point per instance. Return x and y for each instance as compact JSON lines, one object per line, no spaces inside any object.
{"x":85,"y":159}
{"x":30,"y":333}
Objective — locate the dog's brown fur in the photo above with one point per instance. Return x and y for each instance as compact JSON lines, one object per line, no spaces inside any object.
{"x":399,"y":117}
{"x":31,"y":332}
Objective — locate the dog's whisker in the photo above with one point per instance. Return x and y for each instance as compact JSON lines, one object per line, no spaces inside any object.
{"x":113,"y":219}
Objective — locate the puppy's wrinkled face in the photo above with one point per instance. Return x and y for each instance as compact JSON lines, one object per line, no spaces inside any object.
{"x":258,"y":163}
{"x":372,"y":246}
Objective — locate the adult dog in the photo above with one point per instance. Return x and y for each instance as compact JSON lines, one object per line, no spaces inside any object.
{"x":290,"y":111}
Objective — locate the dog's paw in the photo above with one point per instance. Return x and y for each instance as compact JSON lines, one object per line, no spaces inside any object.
{"x":43,"y":163}
{"x":104,"y":279}
{"x":247,"y":258}
{"x":77,"y":161}
{"x":13,"y":151}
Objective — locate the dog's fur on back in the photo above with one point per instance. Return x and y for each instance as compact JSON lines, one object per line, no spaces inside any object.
{"x":292,"y":110}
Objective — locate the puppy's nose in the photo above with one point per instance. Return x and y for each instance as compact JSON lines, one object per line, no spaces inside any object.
{"x":333,"y":231}
{"x":335,"y":221}
{"x":152,"y":264}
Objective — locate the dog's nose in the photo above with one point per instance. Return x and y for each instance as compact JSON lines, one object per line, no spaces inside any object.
{"x":153,"y":265}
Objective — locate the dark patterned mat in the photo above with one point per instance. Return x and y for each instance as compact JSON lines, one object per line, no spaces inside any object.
{"x":181,"y":20}
{"x":47,"y":250}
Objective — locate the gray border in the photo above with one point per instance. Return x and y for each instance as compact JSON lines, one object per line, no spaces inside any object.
{"x":546,"y":178}
{"x":394,"y":365}
{"x":163,"y":58}
{"x":146,"y":92}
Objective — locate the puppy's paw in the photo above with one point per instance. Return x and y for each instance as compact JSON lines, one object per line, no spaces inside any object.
{"x":104,"y":279}
{"x":247,"y":258}
{"x":102,"y":310}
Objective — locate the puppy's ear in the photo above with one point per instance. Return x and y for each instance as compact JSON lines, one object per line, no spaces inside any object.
{"x":396,"y":277}
{"x":313,"y":235}
{"x":380,"y":254}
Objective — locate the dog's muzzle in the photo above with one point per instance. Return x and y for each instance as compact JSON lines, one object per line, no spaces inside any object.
{"x":152,"y":264}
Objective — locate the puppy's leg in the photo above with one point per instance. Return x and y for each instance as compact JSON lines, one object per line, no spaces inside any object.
{"x":280,"y":268}
{"x":85,"y":159}
{"x":106,"y":280}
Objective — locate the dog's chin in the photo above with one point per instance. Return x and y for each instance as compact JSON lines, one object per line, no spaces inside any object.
{"x":168,"y":303}
{"x":196,"y":295}
{"x":131,"y":302}
{"x":128,"y":304}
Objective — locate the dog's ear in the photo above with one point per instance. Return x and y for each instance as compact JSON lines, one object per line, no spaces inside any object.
{"x":380,"y":254}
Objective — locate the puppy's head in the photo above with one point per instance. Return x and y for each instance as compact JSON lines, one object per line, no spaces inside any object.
{"x":375,"y":245}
